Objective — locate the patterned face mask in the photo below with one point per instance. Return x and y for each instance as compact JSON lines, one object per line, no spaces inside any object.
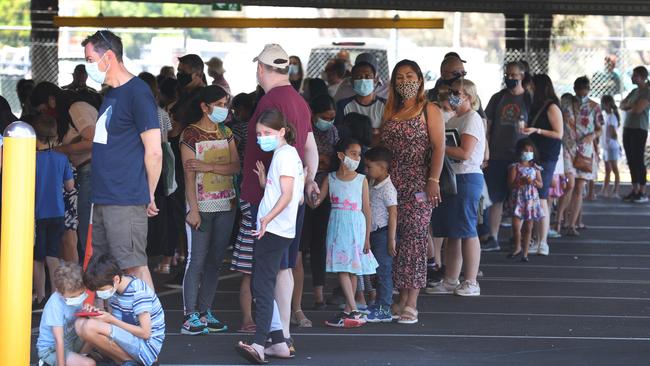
{"x":408,"y":89}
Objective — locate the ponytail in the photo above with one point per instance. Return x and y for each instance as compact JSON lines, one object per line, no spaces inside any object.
{"x":275,"y":120}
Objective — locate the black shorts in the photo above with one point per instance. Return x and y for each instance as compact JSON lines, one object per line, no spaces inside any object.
{"x":291,"y":255}
{"x":49,"y":234}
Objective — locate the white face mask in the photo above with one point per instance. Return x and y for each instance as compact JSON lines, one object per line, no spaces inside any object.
{"x":351,"y":164}
{"x":92,"y":69}
{"x":76,"y":301}
{"x":106,"y":294}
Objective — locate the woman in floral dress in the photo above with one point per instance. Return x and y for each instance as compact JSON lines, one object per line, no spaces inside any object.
{"x":413,"y":130}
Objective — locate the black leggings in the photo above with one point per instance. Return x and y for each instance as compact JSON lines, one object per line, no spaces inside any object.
{"x":634,"y":141}
{"x":314,"y":233}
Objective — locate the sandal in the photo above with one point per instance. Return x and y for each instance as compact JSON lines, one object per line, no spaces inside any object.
{"x":162,"y":268}
{"x":572,"y":232}
{"x":250,"y":354}
{"x":248,"y":328}
{"x":395,"y":311}
{"x":301,"y":323}
{"x":409,"y":316}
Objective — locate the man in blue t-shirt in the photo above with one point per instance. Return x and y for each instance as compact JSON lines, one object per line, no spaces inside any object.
{"x":127,"y":157}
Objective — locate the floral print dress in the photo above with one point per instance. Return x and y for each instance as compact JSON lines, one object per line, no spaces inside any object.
{"x":578,"y":123}
{"x":525,"y":198}
{"x":409,"y":142}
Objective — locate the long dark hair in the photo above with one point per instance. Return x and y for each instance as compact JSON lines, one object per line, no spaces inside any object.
{"x":544,"y":91}
{"x":395,"y":102}
{"x":608,"y":99}
{"x":274,"y":119}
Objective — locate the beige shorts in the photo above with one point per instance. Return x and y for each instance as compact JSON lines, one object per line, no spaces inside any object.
{"x":122,"y":232}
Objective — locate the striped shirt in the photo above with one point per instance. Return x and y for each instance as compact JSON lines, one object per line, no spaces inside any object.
{"x":138,"y":298}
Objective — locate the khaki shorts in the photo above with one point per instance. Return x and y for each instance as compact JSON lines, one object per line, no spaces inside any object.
{"x":122,"y":232}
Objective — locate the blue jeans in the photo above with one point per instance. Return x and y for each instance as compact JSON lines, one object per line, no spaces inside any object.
{"x":379,"y":246}
{"x":83,"y":206}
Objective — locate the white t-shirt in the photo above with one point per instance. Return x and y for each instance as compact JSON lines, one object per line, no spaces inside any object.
{"x":375,"y":110}
{"x":471,"y":124}
{"x":382,"y":196}
{"x":610,"y":120}
{"x":286,"y":162}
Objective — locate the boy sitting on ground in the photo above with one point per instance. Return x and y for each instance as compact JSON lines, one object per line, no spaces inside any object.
{"x":58,"y":343}
{"x":133,"y":332}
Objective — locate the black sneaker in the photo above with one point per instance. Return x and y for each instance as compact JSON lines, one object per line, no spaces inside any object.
{"x":490,"y":245}
{"x":630,"y":197}
{"x":345,"y":320}
{"x":212,"y":323}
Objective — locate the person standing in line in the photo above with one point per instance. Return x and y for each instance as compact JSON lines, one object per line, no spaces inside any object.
{"x":127,"y":130}
{"x":216,"y":71}
{"x":635,"y":133}
{"x":296,"y":72}
{"x":412,"y":127}
{"x":611,"y":147}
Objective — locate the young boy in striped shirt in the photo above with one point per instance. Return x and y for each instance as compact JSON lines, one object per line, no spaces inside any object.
{"x":132,"y":333}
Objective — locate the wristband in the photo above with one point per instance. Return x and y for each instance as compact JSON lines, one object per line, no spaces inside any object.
{"x":434,"y":179}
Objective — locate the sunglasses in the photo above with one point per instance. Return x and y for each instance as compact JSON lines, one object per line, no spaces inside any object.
{"x":110,"y":45}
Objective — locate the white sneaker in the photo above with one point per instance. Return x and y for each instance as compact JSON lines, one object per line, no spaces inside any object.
{"x":468,"y":289}
{"x":543,"y":249}
{"x":533,"y":247}
{"x":442,"y":288}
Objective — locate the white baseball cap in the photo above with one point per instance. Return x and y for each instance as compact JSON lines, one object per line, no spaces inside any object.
{"x":273,"y":55}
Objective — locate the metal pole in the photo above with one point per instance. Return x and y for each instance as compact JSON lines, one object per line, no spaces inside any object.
{"x":17,"y":243}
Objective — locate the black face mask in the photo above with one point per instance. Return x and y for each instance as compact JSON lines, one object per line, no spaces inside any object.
{"x":183,"y":79}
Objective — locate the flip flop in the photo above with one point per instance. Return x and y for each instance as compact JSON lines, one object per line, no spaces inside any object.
{"x":248,"y":328}
{"x":250,"y":354}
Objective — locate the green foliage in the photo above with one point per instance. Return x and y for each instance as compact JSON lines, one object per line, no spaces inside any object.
{"x":14,"y":13}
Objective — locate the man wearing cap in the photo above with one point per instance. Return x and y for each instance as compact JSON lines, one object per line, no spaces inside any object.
{"x":365,"y":101}
{"x":273,"y":77}
{"x":346,"y":89}
{"x":216,"y":71}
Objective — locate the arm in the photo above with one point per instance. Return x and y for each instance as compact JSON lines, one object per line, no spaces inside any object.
{"x":324,"y":188}
{"x":286,"y":187}
{"x":392,"y":231}
{"x":436,"y":129}
{"x":512,"y":177}
{"x":229,"y":168}
{"x":81,"y":147}
{"x":60,"y":345}
{"x":68,"y":185}
{"x":465,"y":150}
{"x":367,"y":213}
{"x":143,"y":331}
{"x":538,"y":180}
{"x":555,"y":118}
{"x":639,"y":106}
{"x":153,"y":164}
{"x":193,"y":218}
{"x":311,"y":162}
{"x":612,"y":133}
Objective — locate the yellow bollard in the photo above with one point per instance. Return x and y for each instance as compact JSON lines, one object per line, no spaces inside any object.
{"x":17,"y":243}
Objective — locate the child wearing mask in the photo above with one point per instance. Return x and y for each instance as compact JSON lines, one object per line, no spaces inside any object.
{"x":58,"y":342}
{"x":132,"y":333}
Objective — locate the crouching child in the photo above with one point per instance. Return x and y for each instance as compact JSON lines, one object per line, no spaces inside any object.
{"x":133,"y":330}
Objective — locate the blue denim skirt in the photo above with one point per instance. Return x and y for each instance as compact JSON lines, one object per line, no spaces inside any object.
{"x":457,"y":216}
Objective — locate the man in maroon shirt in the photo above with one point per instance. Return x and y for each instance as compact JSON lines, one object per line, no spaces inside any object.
{"x":273,"y":77}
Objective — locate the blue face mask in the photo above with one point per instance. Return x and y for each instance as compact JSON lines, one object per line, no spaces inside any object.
{"x":511,"y":83}
{"x":455,"y":101}
{"x":527,"y":156}
{"x":324,"y":125}
{"x":294,"y":69}
{"x":363,"y":87}
{"x":584,"y":100}
{"x":267,"y":143}
{"x":92,"y":69}
{"x":218,"y":114}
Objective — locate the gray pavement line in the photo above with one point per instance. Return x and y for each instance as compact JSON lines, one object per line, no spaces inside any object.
{"x":563,"y":280}
{"x":618,"y":227}
{"x":593,"y":241}
{"x":407,"y":335}
{"x":563,"y":297}
{"x":548,"y":266}
{"x":556,"y":253}
{"x":642,"y":317}
{"x":627,"y":213}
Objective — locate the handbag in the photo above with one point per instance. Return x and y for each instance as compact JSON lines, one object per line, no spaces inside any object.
{"x":168,"y":173}
{"x":448,"y":184}
{"x":580,"y":161}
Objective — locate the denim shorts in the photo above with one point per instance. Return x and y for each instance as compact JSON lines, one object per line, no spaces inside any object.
{"x":127,"y":341}
{"x":457,"y":215}
{"x":547,"y":177}
{"x":290,"y":256}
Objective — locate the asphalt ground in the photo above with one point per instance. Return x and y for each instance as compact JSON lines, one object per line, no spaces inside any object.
{"x":588,"y":303}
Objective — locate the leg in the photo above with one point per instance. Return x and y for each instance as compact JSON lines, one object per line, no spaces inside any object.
{"x":640,"y":144}
{"x":544,"y":225}
{"x":608,"y":171}
{"x":495,"y":214}
{"x":83,"y":180}
{"x":219,"y":226}
{"x":246,"y":301}
{"x":39,"y":280}
{"x":412,"y":297}
{"x":379,"y":245}
{"x":299,"y":282}
{"x":564,"y":202}
{"x":516,"y":235}
{"x":527,"y":231}
{"x":346,"y":280}
{"x":453,"y":260}
{"x":99,"y":335}
{"x":576,"y":202}
{"x":283,"y":292}
{"x":194,"y":267}
{"x":617,"y":177}
{"x":52,"y":265}
{"x":69,"y":244}
{"x":629,"y":146}
{"x":141,"y":272}
{"x":471,"y":249}
{"x":75,"y":359}
{"x":437,"y":250}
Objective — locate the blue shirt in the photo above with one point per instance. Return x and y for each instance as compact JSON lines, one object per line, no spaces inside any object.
{"x":138,"y":298}
{"x":52,"y":170}
{"x":119,"y":176}
{"x":56,"y":314}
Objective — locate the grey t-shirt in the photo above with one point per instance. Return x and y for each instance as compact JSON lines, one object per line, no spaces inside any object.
{"x":504,"y":112}
{"x":639,"y":120}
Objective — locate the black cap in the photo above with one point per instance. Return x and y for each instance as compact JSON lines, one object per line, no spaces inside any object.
{"x":454,"y":54}
{"x":195,"y":61}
